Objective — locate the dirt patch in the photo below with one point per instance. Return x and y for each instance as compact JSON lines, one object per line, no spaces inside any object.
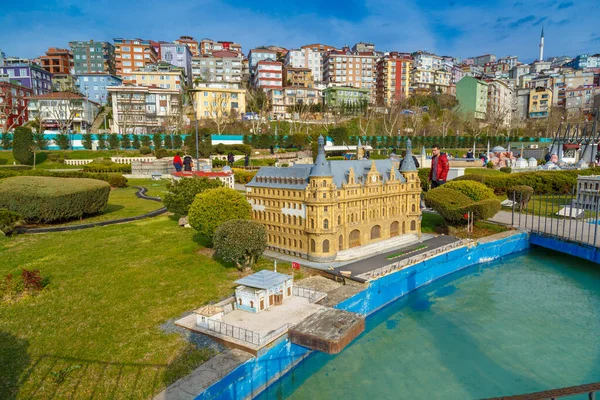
{"x":205,"y":251}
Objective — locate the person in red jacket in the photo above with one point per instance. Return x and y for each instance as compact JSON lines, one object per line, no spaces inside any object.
{"x":177,"y":162}
{"x":439,"y":167}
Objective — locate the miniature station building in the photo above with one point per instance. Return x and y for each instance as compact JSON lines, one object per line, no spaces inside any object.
{"x":262,"y":290}
{"x":226,"y":175}
{"x":315,"y":210}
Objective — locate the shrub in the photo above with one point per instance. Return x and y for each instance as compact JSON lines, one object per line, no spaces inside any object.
{"x":240,"y":242}
{"x":452,"y":205}
{"x":182,"y":193}
{"x":521,"y":195}
{"x":483,"y":209}
{"x":107,"y":167}
{"x":115,"y":180}
{"x":22,"y":145}
{"x":49,"y":199}
{"x":6,"y":141}
{"x":474,"y":190}
{"x":218,"y":163}
{"x":62,"y":141}
{"x":242,"y":176}
{"x":8,"y":221}
{"x":489,"y":165}
{"x":161,"y":153}
{"x":424,"y":177}
{"x":53,"y":157}
{"x":213,"y":207}
{"x":144,"y":150}
{"x":507,"y":170}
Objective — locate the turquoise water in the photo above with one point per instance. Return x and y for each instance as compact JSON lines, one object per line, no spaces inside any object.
{"x":527,"y":323}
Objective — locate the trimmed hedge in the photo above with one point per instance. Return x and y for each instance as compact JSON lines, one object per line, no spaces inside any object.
{"x":8,"y":220}
{"x":48,"y":199}
{"x":114,"y":180}
{"x":474,"y":190}
{"x":242,"y":176}
{"x":452,"y":205}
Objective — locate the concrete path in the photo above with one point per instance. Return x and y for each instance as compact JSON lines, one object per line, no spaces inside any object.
{"x":578,"y":230}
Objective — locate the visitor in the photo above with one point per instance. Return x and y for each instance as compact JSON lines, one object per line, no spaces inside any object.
{"x":177,"y":162}
{"x":439,"y":167}
{"x":187,"y":163}
{"x":470,"y":154}
{"x":247,"y":160}
{"x":548,"y":156}
{"x":413,"y":157}
{"x":230,"y":159}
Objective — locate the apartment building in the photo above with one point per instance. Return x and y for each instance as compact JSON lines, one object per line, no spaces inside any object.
{"x":28,"y":74}
{"x":133,"y":54}
{"x":191,"y":44}
{"x":306,"y":57}
{"x":260,"y":54}
{"x":161,"y":74}
{"x":569,"y":80}
{"x":282,"y":100}
{"x":63,"y":110}
{"x":517,"y":72}
{"x":14,"y":98}
{"x":500,"y":101}
{"x":426,"y":81}
{"x":298,"y":77}
{"x":277,"y":102}
{"x":268,"y":75}
{"x":94,"y":86}
{"x":215,"y":100}
{"x":350,"y":68}
{"x":393,"y":78}
{"x":511,"y":61}
{"x":340,"y":96}
{"x":93,"y":57}
{"x":144,"y":109}
{"x":180,"y":56}
{"x":583,"y":61}
{"x":540,"y":102}
{"x":220,"y":66}
{"x":208,"y":46}
{"x":581,"y":99}
{"x":472,"y":96}
{"x":427,"y":61}
{"x":57,"y":61}
{"x":484,"y":59}
{"x":496,"y":69}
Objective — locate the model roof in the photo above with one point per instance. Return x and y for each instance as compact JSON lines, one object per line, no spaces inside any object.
{"x":264,"y":279}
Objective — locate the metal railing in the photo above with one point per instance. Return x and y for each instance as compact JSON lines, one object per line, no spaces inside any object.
{"x":243,"y":334}
{"x":569,"y":216}
{"x":415,"y":259}
{"x":310,"y":294}
{"x":591,"y":389}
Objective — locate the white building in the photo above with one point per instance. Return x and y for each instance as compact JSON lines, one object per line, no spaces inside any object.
{"x":63,"y":111}
{"x":262,"y":290}
{"x":306,"y":58}
{"x":588,"y":192}
{"x":500,"y":102}
{"x":268,"y":75}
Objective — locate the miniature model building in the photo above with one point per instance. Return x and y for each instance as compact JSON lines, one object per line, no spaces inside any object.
{"x":588,"y":192}
{"x":313,"y":211}
{"x":262,"y":290}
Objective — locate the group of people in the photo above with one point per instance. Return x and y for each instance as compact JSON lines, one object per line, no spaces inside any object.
{"x":187,"y":163}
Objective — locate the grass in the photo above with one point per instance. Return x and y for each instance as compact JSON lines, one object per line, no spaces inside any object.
{"x":396,"y":255}
{"x":430,"y":222}
{"x":155,"y":188}
{"x":480,"y":229}
{"x":95,"y":330}
{"x":546,"y":205}
{"x":483,"y":171}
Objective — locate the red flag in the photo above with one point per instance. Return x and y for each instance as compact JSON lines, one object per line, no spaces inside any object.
{"x":295,"y":265}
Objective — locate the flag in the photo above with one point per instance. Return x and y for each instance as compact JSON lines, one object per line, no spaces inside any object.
{"x":295,"y":265}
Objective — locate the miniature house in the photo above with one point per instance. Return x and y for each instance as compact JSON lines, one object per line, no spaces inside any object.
{"x":262,"y":290}
{"x":206,"y":313}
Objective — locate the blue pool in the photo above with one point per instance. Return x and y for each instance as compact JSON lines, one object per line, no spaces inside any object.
{"x":528,"y":322}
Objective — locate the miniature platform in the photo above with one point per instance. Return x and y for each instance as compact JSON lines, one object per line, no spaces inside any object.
{"x":329,"y":330}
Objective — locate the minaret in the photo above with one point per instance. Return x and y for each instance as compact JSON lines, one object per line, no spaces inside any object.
{"x":542,"y":46}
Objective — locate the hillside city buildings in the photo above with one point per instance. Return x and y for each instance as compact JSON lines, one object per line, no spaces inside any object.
{"x":327,"y":79}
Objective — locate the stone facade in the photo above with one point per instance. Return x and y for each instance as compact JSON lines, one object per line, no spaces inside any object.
{"x":314,"y":211}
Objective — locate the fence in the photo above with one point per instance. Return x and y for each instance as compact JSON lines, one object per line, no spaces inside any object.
{"x":243,"y":334}
{"x":78,"y":162}
{"x":128,"y":160}
{"x":312,"y":295}
{"x":415,"y":259}
{"x":573,"y":216}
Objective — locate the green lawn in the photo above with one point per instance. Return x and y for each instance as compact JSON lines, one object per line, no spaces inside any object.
{"x":483,"y":171}
{"x":155,"y":188}
{"x":546,"y":205}
{"x":111,"y":289}
{"x":431,"y":221}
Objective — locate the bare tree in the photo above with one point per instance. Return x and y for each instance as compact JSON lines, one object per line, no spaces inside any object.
{"x":366,"y":120}
{"x":474,"y":126}
{"x":61,"y":110}
{"x":219,"y":110}
{"x":445,"y":119}
{"x":391,"y":118}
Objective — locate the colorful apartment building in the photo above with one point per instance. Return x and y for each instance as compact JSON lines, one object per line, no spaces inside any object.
{"x":180,"y":56}
{"x":191,"y":44}
{"x":472,"y":95}
{"x":581,"y":99}
{"x":341,"y":96}
{"x":14,"y":99}
{"x":29,"y":75}
{"x":160,"y":74}
{"x":57,"y":61}
{"x":63,"y":111}
{"x":298,"y":77}
{"x":93,"y":57}
{"x":393,"y":78}
{"x":95,"y":86}
{"x":500,"y":102}
{"x":268,"y":75}
{"x":208,"y":46}
{"x":215,"y":100}
{"x":133,"y":54}
{"x":220,"y":66}
{"x":350,"y":68}
{"x":309,"y":56}
{"x":260,"y":54}
{"x":540,"y":102}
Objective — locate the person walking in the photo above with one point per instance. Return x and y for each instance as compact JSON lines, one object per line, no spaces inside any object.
{"x":230,"y":159}
{"x":187,"y":163}
{"x":247,"y":160}
{"x":177,"y":162}
{"x":439,"y":167}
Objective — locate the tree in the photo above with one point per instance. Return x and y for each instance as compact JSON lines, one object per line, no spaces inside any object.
{"x":177,"y":141}
{"x":125,"y":141}
{"x":391,"y":118}
{"x":213,"y":207}
{"x":136,"y":142}
{"x":146,"y":141}
{"x":87,"y":141}
{"x":181,"y":193}
{"x":6,"y":141}
{"x":62,"y":141}
{"x":219,"y":110}
{"x":168,"y":142}
{"x":240,"y":242}
{"x":339,"y":135}
{"x":22,"y":144}
{"x":157,"y":140}
{"x":101,"y":141}
{"x":41,"y":143}
{"x":113,"y":142}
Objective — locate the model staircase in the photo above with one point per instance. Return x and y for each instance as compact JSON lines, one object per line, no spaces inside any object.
{"x":99,"y":120}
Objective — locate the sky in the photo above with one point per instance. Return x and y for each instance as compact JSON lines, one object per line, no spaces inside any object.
{"x":461,"y":28}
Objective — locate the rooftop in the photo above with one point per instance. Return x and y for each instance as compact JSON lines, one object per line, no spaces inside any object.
{"x":264,"y":279}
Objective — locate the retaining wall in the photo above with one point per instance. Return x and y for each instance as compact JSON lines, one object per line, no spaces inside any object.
{"x":253,"y":376}
{"x":580,"y":250}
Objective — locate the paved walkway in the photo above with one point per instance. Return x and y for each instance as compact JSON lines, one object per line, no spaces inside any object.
{"x":578,"y":230}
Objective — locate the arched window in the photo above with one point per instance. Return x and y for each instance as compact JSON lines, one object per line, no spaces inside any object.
{"x":324,"y":183}
{"x":251,"y":304}
{"x":312,"y":224}
{"x":403,"y":227}
{"x":414,"y":208}
{"x":300,"y":245}
{"x":295,"y":243}
{"x":312,"y":246}
{"x":284,"y":241}
{"x":295,"y":220}
{"x":394,"y":229}
{"x":354,"y":239}
{"x":341,"y":243}
{"x":325,"y":224}
{"x":339,"y":219}
{"x":325,"y":246}
{"x":413,"y":225}
{"x":376,"y":232}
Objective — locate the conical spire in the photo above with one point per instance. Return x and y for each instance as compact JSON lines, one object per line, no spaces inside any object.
{"x":321,"y":166}
{"x":408,"y":164}
{"x":542,"y":32}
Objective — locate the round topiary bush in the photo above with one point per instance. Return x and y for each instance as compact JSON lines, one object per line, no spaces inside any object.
{"x":240,"y":242}
{"x":213,"y":207}
{"x":48,"y":199}
{"x":448,"y":203}
{"x":474,"y":190}
{"x":145,"y":150}
{"x":161,"y":153}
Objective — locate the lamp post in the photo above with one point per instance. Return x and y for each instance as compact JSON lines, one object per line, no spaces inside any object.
{"x":197,"y":152}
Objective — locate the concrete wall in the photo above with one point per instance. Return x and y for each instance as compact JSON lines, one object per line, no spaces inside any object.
{"x":250,"y":378}
{"x":574,"y":249}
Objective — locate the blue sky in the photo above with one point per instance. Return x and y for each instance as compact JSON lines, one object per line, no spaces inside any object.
{"x":451,"y":27}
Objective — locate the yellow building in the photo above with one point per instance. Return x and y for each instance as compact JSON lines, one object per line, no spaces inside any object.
{"x":216,"y":100}
{"x":316,"y":210}
{"x":298,"y":77}
{"x":540,"y":102}
{"x":163,"y":75}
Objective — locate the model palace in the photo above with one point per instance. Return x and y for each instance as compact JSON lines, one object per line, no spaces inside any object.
{"x":316,"y":210}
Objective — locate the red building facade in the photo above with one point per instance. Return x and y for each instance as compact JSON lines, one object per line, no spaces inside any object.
{"x":13,"y":105}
